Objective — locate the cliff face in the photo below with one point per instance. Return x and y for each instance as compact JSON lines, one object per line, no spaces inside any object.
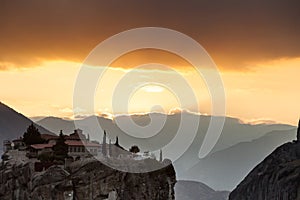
{"x":276,"y":178}
{"x":92,"y":180}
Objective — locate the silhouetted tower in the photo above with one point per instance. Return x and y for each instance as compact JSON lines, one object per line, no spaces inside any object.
{"x":117,"y":141}
{"x":298,"y":132}
{"x":160,"y":156}
{"x":109,"y":149}
{"x":104,"y":144}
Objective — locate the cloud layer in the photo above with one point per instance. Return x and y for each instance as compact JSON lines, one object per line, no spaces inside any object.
{"x":234,"y":32}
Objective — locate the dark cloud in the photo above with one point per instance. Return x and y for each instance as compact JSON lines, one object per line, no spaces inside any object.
{"x":234,"y":32}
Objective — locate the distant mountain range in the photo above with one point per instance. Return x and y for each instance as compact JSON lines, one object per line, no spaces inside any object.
{"x":192,"y":190}
{"x":14,"y":124}
{"x":223,"y":170}
{"x":234,"y":130}
{"x":240,"y":147}
{"x":55,"y":124}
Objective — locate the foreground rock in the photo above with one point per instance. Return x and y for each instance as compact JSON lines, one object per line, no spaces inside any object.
{"x":276,"y":178}
{"x":90,"y":180}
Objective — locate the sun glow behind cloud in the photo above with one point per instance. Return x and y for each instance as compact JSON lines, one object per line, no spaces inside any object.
{"x":269,"y":91}
{"x":153,"y":88}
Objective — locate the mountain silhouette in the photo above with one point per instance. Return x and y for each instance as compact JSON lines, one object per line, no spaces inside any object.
{"x":234,"y":130}
{"x":192,"y":190}
{"x":14,"y":124}
{"x":55,"y":124}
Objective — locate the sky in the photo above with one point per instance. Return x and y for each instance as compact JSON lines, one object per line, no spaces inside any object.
{"x":255,"y":45}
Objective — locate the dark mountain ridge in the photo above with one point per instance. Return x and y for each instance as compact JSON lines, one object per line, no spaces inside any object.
{"x":277,"y":177}
{"x":14,"y":124}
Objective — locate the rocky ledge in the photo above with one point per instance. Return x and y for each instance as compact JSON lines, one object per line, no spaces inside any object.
{"x":276,"y":178}
{"x":90,"y":180}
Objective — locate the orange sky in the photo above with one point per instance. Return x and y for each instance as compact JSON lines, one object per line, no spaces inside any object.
{"x":256,"y":46}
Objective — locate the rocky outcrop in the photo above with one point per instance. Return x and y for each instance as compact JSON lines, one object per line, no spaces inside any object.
{"x":276,"y":178}
{"x":90,"y":180}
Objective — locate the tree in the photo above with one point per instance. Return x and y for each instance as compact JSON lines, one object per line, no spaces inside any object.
{"x":160,"y":156}
{"x":109,"y":149}
{"x":32,"y":136}
{"x":5,"y":157}
{"x":134,"y":149}
{"x":104,"y":152}
{"x":298,"y":132}
{"x":45,"y":157}
{"x":60,"y":149}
